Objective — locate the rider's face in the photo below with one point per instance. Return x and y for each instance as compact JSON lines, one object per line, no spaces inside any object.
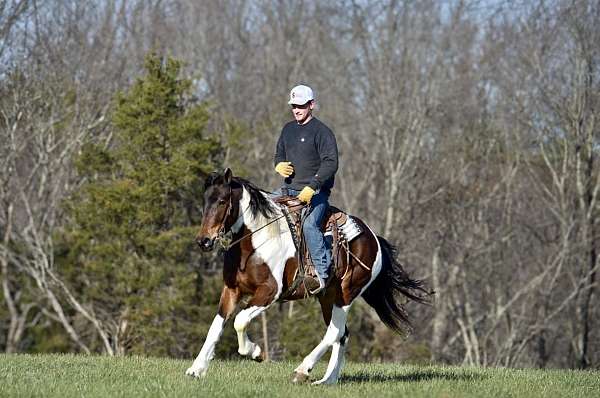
{"x":303,"y":113}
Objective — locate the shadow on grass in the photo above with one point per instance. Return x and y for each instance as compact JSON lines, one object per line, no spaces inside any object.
{"x":424,"y":375}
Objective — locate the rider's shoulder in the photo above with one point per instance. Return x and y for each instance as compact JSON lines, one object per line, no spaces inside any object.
{"x":292,"y":123}
{"x":322,"y":127}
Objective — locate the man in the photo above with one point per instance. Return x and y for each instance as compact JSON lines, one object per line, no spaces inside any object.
{"x":307,"y":157}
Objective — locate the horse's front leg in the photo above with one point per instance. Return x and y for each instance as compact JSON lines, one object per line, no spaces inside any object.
{"x":227,"y":303}
{"x":263,"y":297}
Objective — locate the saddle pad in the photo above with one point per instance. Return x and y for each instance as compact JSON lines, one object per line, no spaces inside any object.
{"x":348,"y":230}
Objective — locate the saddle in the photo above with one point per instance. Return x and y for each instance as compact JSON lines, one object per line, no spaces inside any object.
{"x":336,"y":224}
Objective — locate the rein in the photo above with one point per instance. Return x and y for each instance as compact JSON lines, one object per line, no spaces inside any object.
{"x":230,"y":245}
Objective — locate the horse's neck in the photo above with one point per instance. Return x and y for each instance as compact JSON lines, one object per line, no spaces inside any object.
{"x":263,"y":228}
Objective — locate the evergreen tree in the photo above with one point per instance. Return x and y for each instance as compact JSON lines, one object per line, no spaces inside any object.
{"x":128,"y":249}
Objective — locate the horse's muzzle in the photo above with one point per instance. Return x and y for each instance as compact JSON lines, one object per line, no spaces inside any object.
{"x":206,"y":243}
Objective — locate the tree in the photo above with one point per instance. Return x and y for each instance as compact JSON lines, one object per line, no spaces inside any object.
{"x":42,"y":125}
{"x":560,"y":60}
{"x":127,"y":250}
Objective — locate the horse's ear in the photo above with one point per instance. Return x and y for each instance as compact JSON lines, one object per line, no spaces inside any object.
{"x":227,"y":175}
{"x":210,"y":179}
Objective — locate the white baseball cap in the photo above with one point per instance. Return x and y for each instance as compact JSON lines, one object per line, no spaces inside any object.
{"x":300,"y":95}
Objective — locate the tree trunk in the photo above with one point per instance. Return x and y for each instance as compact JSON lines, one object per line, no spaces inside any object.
{"x":265,"y":331}
{"x":439,"y":324}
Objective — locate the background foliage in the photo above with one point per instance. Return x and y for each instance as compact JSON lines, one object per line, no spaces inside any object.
{"x":468,"y":134}
{"x":128,"y":243}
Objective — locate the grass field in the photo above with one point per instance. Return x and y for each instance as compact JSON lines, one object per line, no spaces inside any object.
{"x":92,"y":376}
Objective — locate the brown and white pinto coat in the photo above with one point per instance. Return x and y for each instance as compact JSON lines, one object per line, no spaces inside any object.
{"x":262,"y":266}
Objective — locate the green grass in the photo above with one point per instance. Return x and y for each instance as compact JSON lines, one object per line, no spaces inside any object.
{"x":94,"y":376}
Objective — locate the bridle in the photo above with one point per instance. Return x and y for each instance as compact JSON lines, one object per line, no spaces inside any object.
{"x":222,"y":232}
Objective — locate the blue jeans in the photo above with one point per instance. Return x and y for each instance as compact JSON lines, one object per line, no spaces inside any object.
{"x":319,"y":252}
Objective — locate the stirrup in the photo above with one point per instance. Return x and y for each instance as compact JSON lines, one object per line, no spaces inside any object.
{"x":318,"y":289}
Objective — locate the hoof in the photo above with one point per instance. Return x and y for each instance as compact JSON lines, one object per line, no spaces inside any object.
{"x":258,"y":355}
{"x":196,"y":372}
{"x":298,"y":377}
{"x":324,"y":382}
{"x":260,"y":358}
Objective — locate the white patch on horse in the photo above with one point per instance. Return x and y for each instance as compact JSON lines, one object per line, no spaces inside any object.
{"x":377,"y":264}
{"x":273,"y":244}
{"x":235,"y":228}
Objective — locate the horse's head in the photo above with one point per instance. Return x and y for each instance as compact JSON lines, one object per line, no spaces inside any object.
{"x":221,"y":207}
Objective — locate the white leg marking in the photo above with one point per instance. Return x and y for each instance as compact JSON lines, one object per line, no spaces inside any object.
{"x":243,"y":318}
{"x":336,"y":362}
{"x":200,"y":365}
{"x":335,"y":331}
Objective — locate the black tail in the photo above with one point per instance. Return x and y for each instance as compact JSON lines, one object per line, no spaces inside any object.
{"x":386,"y":291}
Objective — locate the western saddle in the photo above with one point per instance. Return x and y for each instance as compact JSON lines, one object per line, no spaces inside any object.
{"x":332,"y":225}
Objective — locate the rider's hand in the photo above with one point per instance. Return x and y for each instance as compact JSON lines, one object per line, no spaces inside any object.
{"x":306,"y":194}
{"x":285,"y":169}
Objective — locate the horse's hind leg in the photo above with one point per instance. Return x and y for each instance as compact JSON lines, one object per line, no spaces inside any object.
{"x":334,"y":337}
{"x":336,"y":362}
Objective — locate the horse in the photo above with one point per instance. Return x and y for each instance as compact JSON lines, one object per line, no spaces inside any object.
{"x":260,"y":268}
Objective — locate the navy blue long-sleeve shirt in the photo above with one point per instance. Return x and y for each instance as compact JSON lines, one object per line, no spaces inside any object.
{"x":312,"y":149}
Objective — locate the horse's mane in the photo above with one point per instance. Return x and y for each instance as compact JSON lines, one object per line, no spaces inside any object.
{"x":259,"y":204}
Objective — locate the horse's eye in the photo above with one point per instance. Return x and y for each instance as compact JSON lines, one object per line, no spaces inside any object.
{"x":221,"y":202}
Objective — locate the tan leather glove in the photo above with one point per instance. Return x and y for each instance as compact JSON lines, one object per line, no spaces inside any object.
{"x":285,"y":169}
{"x":306,"y":194}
